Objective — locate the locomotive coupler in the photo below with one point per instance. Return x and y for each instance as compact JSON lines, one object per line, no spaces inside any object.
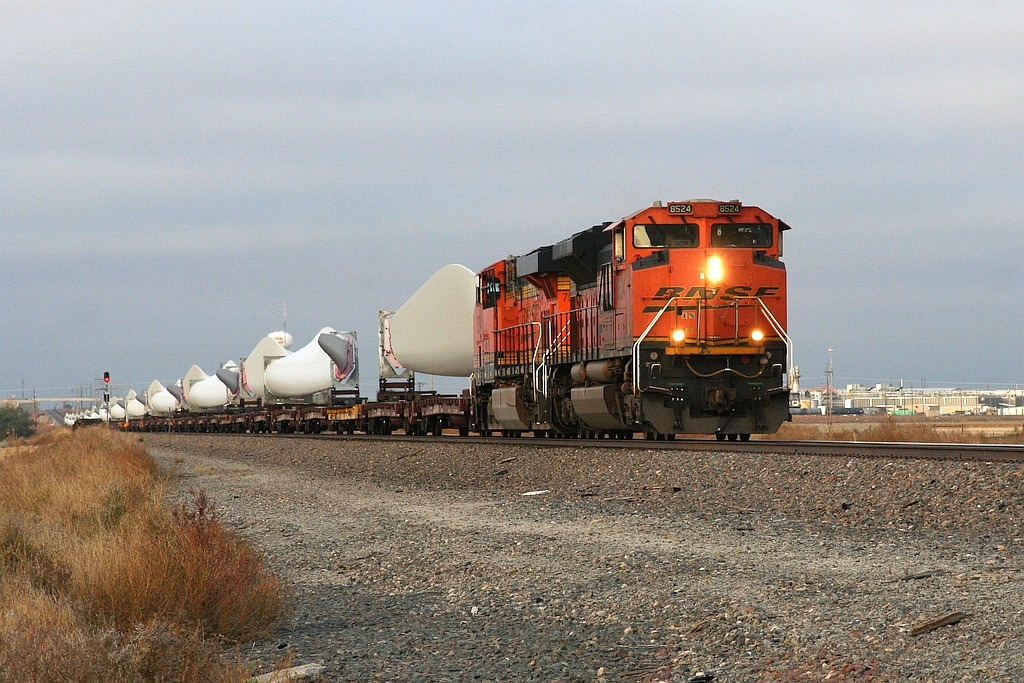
{"x":721,"y":398}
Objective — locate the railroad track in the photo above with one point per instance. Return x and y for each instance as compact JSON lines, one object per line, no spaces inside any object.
{"x":870,"y":449}
{"x":1004,"y":453}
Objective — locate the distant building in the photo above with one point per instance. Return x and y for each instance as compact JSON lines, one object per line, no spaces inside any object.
{"x":897,"y":400}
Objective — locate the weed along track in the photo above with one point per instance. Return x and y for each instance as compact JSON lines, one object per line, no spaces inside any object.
{"x":427,"y":560}
{"x":99,"y":581}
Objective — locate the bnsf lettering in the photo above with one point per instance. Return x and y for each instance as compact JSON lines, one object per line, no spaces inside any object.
{"x":728,"y":294}
{"x":737,"y":292}
{"x":667,"y":293}
{"x":743,"y":292}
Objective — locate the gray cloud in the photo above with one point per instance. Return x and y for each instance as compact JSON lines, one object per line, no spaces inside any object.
{"x":227,"y":156}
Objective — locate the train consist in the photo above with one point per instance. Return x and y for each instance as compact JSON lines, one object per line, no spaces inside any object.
{"x":669,"y":321}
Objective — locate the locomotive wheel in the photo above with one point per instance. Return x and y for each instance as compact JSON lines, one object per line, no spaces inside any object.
{"x":744,"y":437}
{"x":720,"y":437}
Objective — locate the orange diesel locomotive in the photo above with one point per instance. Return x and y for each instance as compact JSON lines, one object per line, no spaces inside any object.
{"x":669,"y":321}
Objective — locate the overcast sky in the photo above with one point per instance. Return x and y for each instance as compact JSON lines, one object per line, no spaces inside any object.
{"x":171,"y":173}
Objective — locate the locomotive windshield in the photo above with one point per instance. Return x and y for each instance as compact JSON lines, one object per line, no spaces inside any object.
{"x":674,"y":236}
{"x":749,"y":235}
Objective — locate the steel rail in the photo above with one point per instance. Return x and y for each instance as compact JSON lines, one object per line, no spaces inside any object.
{"x":1011,"y":453}
{"x":1001,"y":453}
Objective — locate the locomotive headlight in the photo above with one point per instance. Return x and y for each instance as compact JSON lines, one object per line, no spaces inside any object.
{"x":715,"y":271}
{"x":757,"y":335}
{"x":678,"y":335}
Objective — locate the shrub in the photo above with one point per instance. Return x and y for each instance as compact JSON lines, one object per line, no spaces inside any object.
{"x":185,"y":567}
{"x":98,"y":581}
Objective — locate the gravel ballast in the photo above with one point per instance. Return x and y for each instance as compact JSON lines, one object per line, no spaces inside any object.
{"x":471,"y":561}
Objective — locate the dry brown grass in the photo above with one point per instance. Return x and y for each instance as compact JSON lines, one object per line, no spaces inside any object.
{"x":99,"y":582}
{"x":900,"y":429}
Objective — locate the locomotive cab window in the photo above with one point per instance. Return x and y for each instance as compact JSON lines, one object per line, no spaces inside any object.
{"x":744,"y":235}
{"x":674,"y":236}
{"x":488,"y":290}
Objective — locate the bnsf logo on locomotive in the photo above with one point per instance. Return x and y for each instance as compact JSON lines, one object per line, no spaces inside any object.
{"x":727,"y":294}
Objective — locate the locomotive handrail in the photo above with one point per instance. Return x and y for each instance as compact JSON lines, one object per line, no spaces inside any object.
{"x":502,"y":334}
{"x":773,"y":321}
{"x":563,"y":333}
{"x":536,"y":367}
{"x":636,"y":345}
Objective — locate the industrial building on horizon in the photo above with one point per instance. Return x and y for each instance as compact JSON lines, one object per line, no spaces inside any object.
{"x":896,"y":399}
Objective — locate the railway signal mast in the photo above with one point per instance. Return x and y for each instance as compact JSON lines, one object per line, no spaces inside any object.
{"x":106,"y":394}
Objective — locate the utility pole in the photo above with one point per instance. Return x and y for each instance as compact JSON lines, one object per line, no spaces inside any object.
{"x":828,"y":387}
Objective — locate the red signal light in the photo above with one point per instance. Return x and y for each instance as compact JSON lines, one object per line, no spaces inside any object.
{"x":106,"y":377}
